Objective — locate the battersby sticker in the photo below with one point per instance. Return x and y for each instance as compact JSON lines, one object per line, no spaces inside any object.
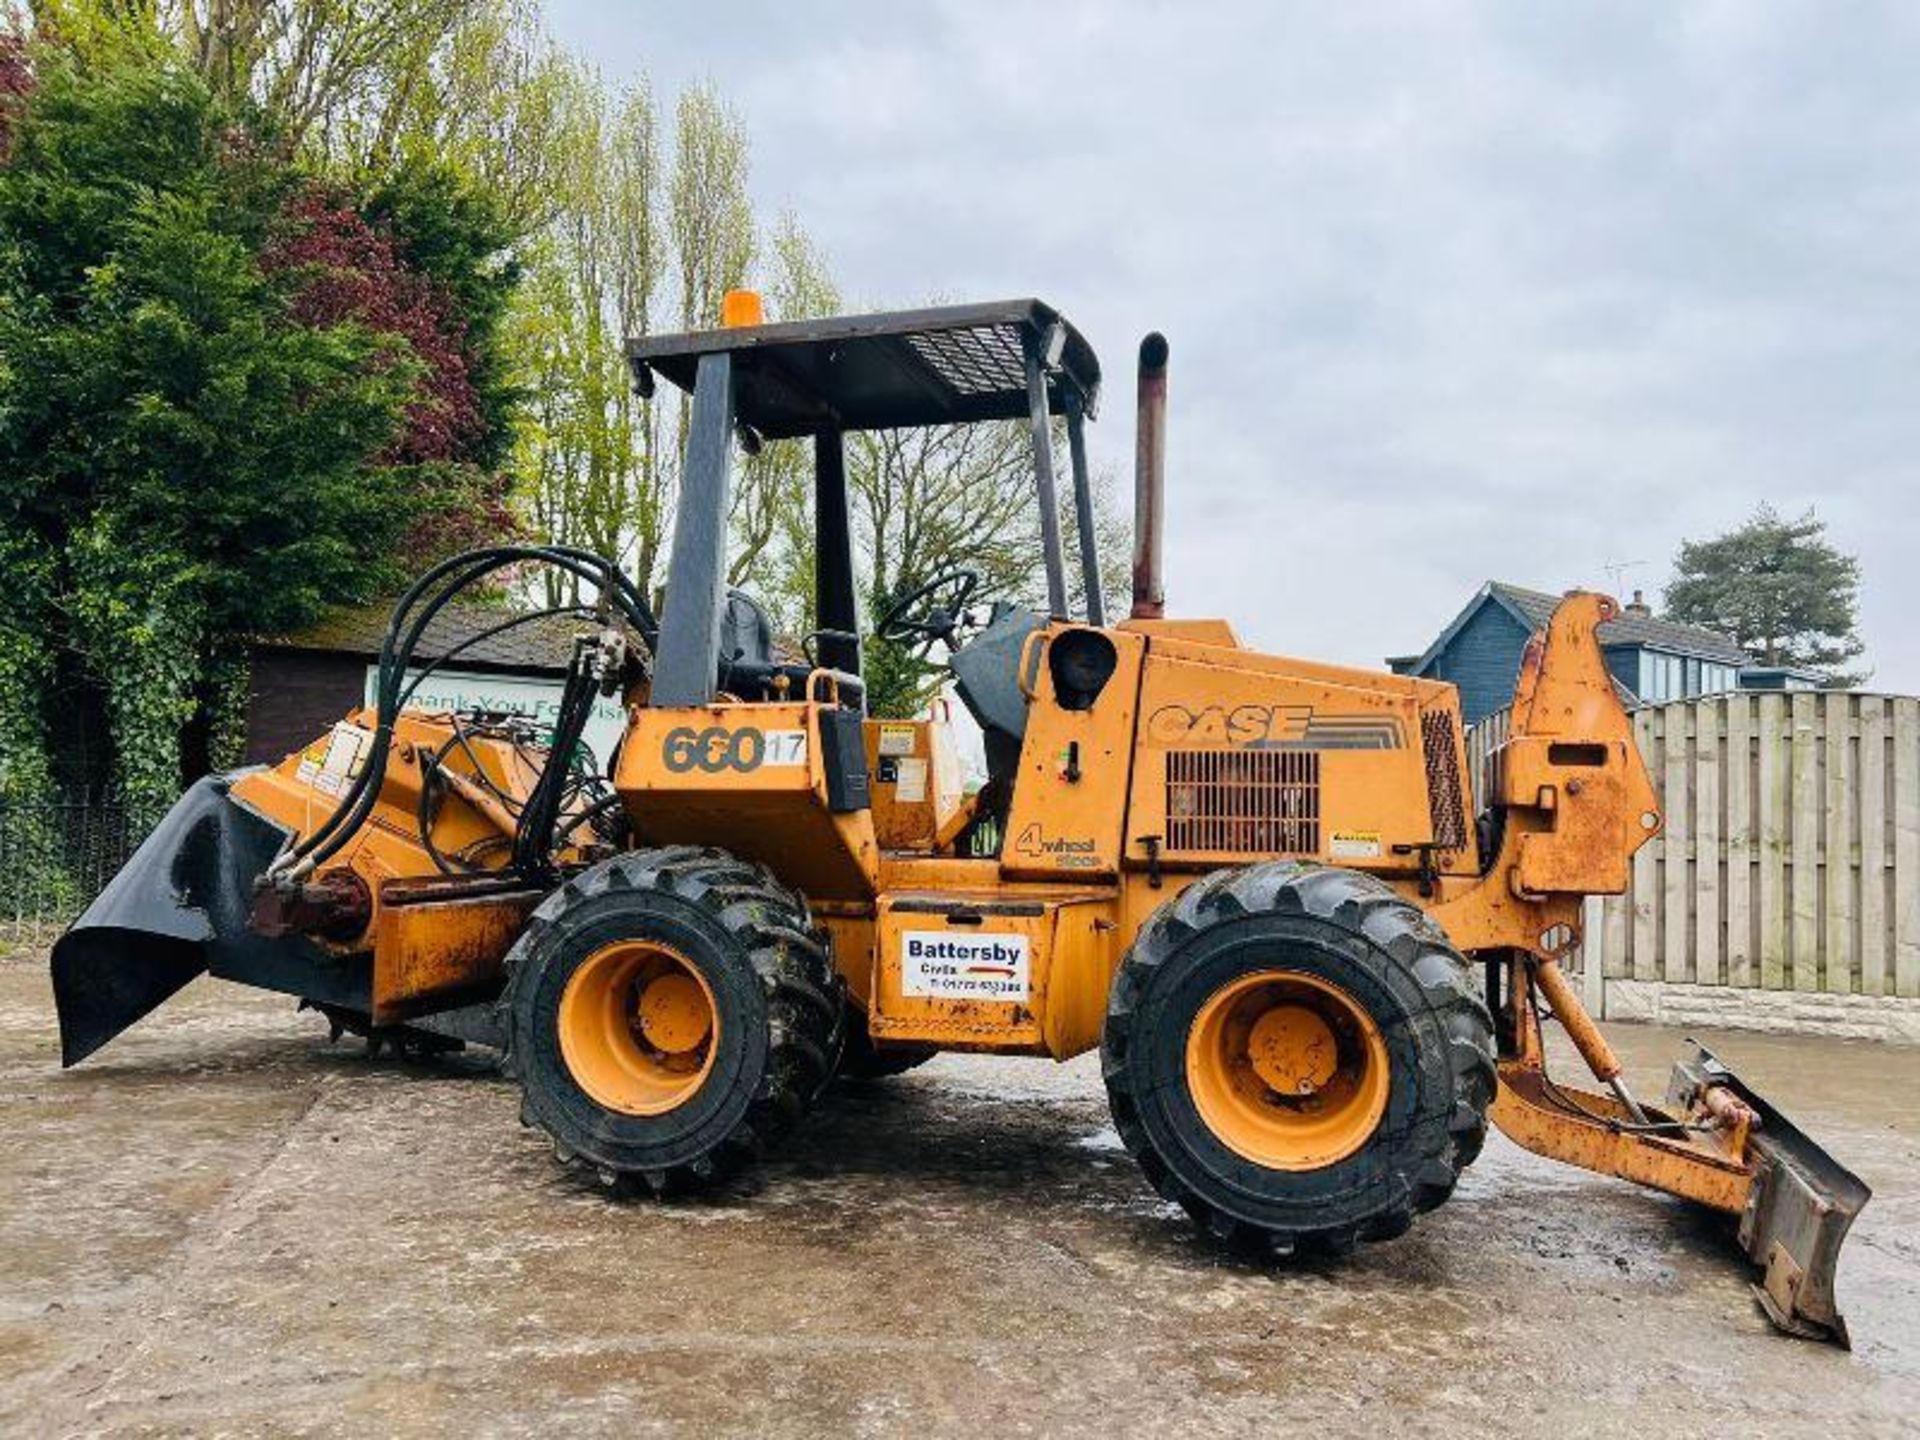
{"x":896,"y":739}
{"x":1355,"y":845}
{"x":943,"y":965}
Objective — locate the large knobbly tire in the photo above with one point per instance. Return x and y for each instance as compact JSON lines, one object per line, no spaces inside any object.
{"x":1328,"y":932}
{"x":774,"y":1000}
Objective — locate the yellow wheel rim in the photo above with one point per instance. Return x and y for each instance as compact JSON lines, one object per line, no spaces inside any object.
{"x":638,"y":1027}
{"x":1287,"y":1070}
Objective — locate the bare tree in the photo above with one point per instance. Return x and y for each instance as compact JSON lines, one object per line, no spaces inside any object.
{"x":773,"y":500}
{"x":365,"y":84}
{"x":301,"y":61}
{"x":588,"y":443}
{"x":927,"y":501}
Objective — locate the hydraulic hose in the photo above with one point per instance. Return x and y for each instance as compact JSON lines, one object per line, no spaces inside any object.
{"x":428,"y":595}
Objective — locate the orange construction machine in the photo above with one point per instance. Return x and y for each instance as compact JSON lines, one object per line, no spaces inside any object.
{"x":1316,"y":964}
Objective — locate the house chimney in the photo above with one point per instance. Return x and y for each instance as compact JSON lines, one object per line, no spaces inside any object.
{"x":1638,"y":606}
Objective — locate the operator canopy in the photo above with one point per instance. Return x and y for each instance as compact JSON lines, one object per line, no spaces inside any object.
{"x":1005,"y":360}
{"x":950,"y":365}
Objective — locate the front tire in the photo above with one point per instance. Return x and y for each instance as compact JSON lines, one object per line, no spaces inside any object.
{"x":670,"y":1013}
{"x":1296,"y":1056}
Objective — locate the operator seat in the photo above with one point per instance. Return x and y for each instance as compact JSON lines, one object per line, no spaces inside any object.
{"x":752,"y":666}
{"x":748,"y":663}
{"x":986,"y":676}
{"x":746,"y":633}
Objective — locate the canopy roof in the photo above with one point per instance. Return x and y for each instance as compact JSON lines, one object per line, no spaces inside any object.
{"x":952,"y":364}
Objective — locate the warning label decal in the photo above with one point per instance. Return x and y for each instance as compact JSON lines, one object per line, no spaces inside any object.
{"x":329,"y":765}
{"x":910,"y":781}
{"x":940,"y":964}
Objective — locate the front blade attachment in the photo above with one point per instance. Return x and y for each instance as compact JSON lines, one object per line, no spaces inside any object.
{"x":182,"y":906}
{"x":1798,"y":1211}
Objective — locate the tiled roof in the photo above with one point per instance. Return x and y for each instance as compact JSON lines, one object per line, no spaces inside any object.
{"x":1643,"y":630}
{"x":544,"y":644}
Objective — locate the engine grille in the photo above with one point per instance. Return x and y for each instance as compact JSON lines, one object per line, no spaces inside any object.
{"x":1244,"y":802}
{"x":1446,"y":802}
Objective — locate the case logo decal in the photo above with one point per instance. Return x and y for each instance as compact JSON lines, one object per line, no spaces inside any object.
{"x":1273,"y":727}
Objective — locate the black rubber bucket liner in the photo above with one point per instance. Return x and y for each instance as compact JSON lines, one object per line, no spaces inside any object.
{"x":178,"y":908}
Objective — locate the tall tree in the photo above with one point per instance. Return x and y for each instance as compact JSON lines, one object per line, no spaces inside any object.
{"x":307,"y":65}
{"x":193,"y":445}
{"x":647,"y":232}
{"x":710,"y":216}
{"x":592,"y":474}
{"x":1779,"y":588}
{"x":710,"y":226}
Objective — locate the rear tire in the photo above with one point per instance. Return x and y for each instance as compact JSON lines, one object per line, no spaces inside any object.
{"x":742,"y":1030}
{"x":1407,"y":1079}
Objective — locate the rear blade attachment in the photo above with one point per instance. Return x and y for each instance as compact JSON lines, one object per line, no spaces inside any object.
{"x":1799,"y":1208}
{"x":182,"y":906}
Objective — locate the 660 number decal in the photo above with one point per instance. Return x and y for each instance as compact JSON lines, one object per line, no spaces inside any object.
{"x":717,"y":748}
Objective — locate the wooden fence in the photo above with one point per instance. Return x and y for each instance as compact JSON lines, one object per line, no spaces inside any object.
{"x":1790,"y":856}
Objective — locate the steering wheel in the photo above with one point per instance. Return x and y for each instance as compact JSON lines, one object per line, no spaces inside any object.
{"x":930,"y":611}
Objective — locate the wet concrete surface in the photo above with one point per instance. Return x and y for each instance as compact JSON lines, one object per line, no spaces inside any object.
{"x":222,"y":1225}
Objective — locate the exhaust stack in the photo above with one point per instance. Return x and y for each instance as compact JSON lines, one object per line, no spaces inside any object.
{"x":1150,"y":479}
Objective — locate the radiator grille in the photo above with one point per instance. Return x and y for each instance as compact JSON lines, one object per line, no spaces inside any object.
{"x":1446,"y":801}
{"x":1245,"y":802}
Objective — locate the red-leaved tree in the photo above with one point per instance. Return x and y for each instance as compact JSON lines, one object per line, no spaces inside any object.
{"x":344,"y":269}
{"x":16,"y":81}
{"x":347,"y":270}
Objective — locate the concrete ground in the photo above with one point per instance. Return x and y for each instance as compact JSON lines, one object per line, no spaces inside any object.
{"x":221,"y":1225}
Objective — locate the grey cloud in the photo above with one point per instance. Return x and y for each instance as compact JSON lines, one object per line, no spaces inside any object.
{"x":1455,"y":291}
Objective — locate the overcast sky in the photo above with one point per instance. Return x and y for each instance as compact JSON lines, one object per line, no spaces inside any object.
{"x":1454,"y":292}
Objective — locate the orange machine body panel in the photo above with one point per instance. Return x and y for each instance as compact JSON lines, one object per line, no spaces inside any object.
{"x":436,"y":937}
{"x":438,"y":946}
{"x":916,"y":780}
{"x":751,"y":779}
{"x":1194,"y":754}
{"x":1021,"y":971}
{"x":1240,"y":756}
{"x":1068,"y":817}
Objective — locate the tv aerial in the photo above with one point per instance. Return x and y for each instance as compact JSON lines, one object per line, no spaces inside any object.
{"x":1617,"y":570}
